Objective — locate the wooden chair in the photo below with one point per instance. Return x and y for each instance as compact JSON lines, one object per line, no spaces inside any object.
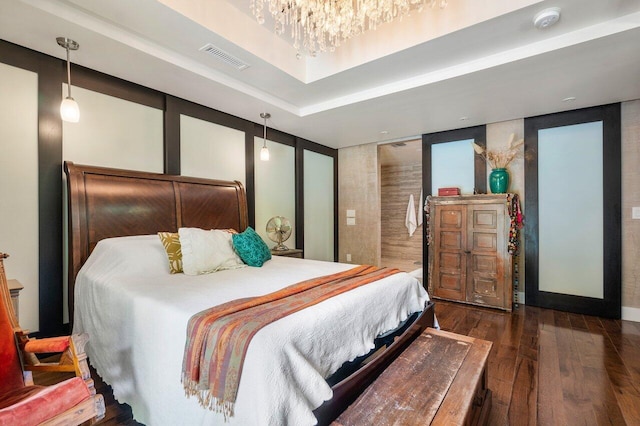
{"x":70,"y":402}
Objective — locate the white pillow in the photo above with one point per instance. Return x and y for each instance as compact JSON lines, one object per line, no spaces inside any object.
{"x":207,"y":251}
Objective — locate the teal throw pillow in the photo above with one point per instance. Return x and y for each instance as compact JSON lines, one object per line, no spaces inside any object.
{"x":250,"y":247}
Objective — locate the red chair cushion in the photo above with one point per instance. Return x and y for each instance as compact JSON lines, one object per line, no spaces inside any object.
{"x":32,"y":405}
{"x":49,"y":344}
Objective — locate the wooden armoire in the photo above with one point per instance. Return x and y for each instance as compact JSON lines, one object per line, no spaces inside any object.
{"x":468,"y":250}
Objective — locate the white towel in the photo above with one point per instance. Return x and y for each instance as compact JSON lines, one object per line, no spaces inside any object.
{"x":421,"y":206}
{"x":410,"y":218}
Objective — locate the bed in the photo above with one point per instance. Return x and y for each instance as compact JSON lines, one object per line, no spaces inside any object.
{"x":297,"y":370}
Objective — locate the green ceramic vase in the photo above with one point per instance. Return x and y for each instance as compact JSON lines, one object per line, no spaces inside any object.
{"x":499,"y":181}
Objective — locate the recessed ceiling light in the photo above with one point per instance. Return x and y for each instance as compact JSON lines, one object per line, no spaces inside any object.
{"x":384,"y":132}
{"x":465,"y":118}
{"x":546,"y":18}
{"x":569,"y":99}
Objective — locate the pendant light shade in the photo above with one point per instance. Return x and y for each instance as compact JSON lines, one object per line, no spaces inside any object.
{"x":264,"y":152}
{"x":69,"y":110}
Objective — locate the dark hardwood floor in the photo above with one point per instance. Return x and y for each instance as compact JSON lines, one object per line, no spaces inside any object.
{"x":555,"y":368}
{"x":546,"y":367}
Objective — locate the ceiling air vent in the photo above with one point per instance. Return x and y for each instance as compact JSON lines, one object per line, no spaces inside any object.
{"x":225,"y":57}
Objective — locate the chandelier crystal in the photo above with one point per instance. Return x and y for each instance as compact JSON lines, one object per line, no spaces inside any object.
{"x":321,"y":25}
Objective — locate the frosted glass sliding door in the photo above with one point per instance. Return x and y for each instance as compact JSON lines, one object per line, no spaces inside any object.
{"x":570,"y":209}
{"x":452,"y":165}
{"x":275,"y":190}
{"x":318,"y":206}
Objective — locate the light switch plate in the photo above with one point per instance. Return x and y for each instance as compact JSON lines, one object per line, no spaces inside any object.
{"x":351,"y":213}
{"x":635,"y":213}
{"x":351,"y":221}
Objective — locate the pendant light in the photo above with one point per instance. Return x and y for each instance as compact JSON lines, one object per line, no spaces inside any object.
{"x":69,"y":110}
{"x":264,"y":152}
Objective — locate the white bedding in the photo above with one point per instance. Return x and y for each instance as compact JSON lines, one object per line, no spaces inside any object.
{"x":136,"y":315}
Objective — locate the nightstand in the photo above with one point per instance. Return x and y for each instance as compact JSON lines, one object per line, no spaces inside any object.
{"x":289,"y":253}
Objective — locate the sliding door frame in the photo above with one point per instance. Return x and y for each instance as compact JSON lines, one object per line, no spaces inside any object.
{"x":479,"y":136}
{"x":610,"y":305}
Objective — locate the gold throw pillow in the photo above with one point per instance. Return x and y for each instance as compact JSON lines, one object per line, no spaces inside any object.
{"x":171,"y":243}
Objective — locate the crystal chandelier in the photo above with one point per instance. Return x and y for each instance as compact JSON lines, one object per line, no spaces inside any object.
{"x":321,"y":25}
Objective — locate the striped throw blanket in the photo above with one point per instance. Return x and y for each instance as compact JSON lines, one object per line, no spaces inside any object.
{"x":218,"y":338}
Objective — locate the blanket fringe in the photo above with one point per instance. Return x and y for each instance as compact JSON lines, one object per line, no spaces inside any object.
{"x":206,"y":400}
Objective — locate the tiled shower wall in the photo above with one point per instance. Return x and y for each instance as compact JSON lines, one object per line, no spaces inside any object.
{"x":358,"y":189}
{"x":397,"y":182}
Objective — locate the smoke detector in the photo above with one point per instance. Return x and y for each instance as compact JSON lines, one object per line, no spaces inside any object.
{"x":546,"y":18}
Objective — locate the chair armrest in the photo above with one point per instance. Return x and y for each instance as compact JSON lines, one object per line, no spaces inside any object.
{"x":72,"y":360}
{"x":47,"y":345}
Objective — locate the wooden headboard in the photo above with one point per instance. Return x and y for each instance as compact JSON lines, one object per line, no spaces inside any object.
{"x":105,"y":203}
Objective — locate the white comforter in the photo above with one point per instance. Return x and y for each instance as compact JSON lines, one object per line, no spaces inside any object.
{"x":136,"y":315}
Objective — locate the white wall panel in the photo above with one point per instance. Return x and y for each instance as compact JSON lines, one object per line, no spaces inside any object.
{"x":113,"y":132}
{"x":275,"y":188}
{"x":318,"y":207}
{"x":19,"y":185}
{"x":211,"y":151}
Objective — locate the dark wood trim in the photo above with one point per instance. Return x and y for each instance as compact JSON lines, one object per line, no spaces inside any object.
{"x":610,"y":306}
{"x":479,"y":135}
{"x":336,"y":244}
{"x":299,"y":188}
{"x":192,"y":109}
{"x":21,"y":57}
{"x":250,"y":176}
{"x":531,"y":243}
{"x":171,"y":136}
{"x":317,"y":148}
{"x":50,"y":196}
{"x":274,"y":135}
{"x":112,"y":86}
{"x":612,"y":184}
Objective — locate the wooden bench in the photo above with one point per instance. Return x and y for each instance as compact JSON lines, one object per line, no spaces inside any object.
{"x":439,"y":379}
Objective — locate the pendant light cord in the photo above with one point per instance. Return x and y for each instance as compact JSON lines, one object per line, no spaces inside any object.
{"x":68,"y":74}
{"x":264,"y":135}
